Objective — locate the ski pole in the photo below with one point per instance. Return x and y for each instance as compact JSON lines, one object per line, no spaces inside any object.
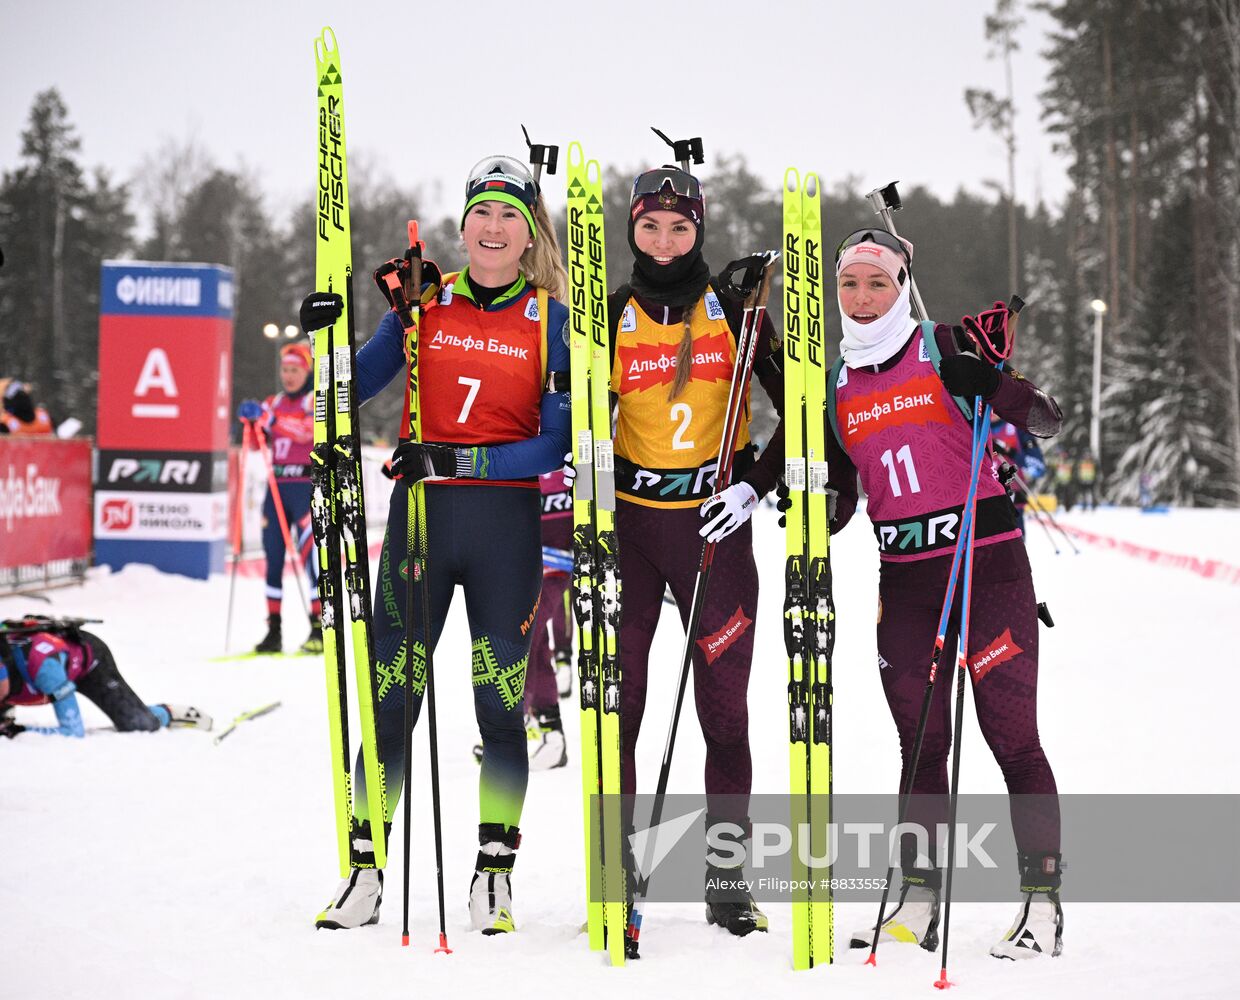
{"x":274,"y":487}
{"x":236,"y":539}
{"x":886,"y":201}
{"x":1037,"y":505}
{"x":757,"y":289}
{"x":962,"y":659}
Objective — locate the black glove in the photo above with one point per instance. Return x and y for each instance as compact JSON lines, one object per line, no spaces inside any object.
{"x":968,"y":376}
{"x":414,"y":461}
{"x":783,"y":502}
{"x":320,"y":309}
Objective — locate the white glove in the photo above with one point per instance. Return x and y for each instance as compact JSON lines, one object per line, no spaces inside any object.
{"x":569,"y":471}
{"x":727,"y":511}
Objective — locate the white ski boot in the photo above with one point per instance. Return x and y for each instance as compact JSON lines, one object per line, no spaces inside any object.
{"x":1038,"y":927}
{"x":187,"y":717}
{"x":564,"y":673}
{"x":915,"y":920}
{"x":547,"y":747}
{"x":357,"y":898}
{"x":490,"y":892}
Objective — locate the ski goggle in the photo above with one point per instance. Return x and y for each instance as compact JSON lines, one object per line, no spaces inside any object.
{"x":667,"y":179}
{"x":880,"y":237}
{"x":502,"y":178}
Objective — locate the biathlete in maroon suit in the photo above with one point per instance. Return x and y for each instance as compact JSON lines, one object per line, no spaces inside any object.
{"x":52,"y":664}
{"x":898,"y":427}
{"x":675,"y":350}
{"x":287,"y":420}
{"x":492,"y":370}
{"x":552,"y":644}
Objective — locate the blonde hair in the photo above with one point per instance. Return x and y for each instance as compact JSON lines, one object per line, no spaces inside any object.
{"x":541,"y":263}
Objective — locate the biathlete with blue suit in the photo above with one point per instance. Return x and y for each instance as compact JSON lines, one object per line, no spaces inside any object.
{"x":492,"y":378}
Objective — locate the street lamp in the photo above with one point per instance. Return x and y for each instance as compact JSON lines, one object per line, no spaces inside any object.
{"x":271,"y":331}
{"x":1095,"y":419}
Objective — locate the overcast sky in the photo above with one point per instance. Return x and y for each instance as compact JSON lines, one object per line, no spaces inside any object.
{"x":432,"y":87}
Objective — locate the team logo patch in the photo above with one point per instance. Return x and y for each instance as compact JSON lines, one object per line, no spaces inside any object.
{"x":843,"y":379}
{"x":999,"y":651}
{"x":714,"y":646}
{"x":713,"y":309}
{"x":918,"y":400}
{"x":531,"y":309}
{"x":628,"y":320}
{"x":667,"y":199}
{"x":445,"y":295}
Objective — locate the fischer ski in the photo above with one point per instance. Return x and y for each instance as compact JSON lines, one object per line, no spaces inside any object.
{"x":809,"y":610}
{"x":596,"y":579}
{"x":337,"y":509}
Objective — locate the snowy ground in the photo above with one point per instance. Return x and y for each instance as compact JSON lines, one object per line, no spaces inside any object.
{"x":163,"y":866}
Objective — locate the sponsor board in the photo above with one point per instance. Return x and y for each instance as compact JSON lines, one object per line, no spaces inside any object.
{"x":188,"y":517}
{"x":163,"y":471}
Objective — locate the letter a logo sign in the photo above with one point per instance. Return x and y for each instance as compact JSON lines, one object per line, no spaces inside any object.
{"x":156,"y":376}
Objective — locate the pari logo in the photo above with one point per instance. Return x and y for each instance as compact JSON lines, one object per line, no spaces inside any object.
{"x":163,"y":290}
{"x":116,"y":515}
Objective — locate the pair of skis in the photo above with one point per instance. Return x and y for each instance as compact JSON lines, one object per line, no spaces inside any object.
{"x":809,"y":610}
{"x":596,"y":573}
{"x":337,"y":509}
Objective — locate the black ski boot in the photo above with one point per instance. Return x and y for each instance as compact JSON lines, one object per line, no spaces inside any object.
{"x":314,"y":641}
{"x":729,"y":902}
{"x":273,"y":641}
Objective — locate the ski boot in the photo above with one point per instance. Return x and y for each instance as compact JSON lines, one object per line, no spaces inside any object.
{"x":545,"y":732}
{"x":187,"y":717}
{"x":314,"y":641}
{"x":915,"y":919}
{"x":357,"y":898}
{"x":1038,"y":927}
{"x":564,"y":673}
{"x":273,"y":641}
{"x":729,"y":903}
{"x":490,"y":891}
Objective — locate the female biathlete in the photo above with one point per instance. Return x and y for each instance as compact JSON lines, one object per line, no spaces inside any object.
{"x":675,"y":349}
{"x":287,"y":419}
{"x":914,"y":462}
{"x":493,"y":355}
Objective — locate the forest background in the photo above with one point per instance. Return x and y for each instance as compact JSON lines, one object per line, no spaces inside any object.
{"x":1143,"y":99}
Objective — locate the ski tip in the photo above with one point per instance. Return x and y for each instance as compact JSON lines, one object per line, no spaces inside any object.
{"x":792,"y":180}
{"x":810,"y":186}
{"x":576,"y":155}
{"x":325,"y":44}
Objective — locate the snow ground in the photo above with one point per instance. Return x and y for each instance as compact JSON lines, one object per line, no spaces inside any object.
{"x":163,"y":866}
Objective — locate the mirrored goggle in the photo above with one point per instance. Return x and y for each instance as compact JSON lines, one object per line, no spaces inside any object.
{"x":502,"y":173}
{"x":656,"y":181}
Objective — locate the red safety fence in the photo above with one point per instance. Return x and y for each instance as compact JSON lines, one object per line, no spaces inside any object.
{"x":1208,"y":569}
{"x":45,"y":511}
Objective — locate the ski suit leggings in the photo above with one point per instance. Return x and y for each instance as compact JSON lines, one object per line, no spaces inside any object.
{"x":486,"y":539}
{"x":1003,"y":665}
{"x":104,"y":685}
{"x":295,"y":498}
{"x":660,"y":547}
